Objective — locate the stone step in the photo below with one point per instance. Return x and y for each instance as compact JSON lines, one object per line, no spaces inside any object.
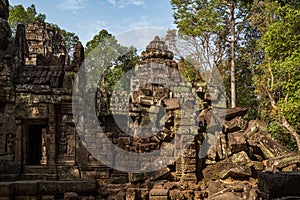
{"x":32,"y":176}
{"x":34,"y":169}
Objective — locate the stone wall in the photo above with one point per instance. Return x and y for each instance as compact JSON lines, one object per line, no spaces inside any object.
{"x":9,"y":141}
{"x":46,"y":46}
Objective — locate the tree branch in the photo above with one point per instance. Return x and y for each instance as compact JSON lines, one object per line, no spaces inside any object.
{"x":283,"y":120}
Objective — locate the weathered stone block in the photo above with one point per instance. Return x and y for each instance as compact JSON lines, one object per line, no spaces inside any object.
{"x":279,"y":185}
{"x":240,"y":158}
{"x":237,"y":142}
{"x":25,"y":197}
{"x":159,"y":194}
{"x":4,"y":11}
{"x":176,"y":195}
{"x":6,"y":189}
{"x":227,"y":196}
{"x":189,"y":177}
{"x":225,"y":169}
{"x":4,"y":34}
{"x":257,"y":165}
{"x":189,"y":168}
{"x":71,"y":196}
{"x":48,"y":187}
{"x":78,"y":186}
{"x":235,"y":124}
{"x":48,"y":197}
{"x":26,"y":188}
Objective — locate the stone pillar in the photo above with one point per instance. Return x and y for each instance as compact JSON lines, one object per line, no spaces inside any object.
{"x":21,"y":44}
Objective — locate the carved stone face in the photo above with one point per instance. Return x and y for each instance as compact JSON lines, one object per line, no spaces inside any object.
{"x":10,"y":136}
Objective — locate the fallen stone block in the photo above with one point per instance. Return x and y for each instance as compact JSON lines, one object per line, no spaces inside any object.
{"x":240,"y":158}
{"x":231,"y":113}
{"x":176,"y":195}
{"x":237,"y":142}
{"x":226,"y":195}
{"x":214,"y":187}
{"x":172,"y":103}
{"x":279,"y":185}
{"x":225,"y":169}
{"x":235,"y":124}
{"x":282,"y":161}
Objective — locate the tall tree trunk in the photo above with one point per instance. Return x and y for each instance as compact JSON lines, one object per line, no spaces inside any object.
{"x":232,"y":46}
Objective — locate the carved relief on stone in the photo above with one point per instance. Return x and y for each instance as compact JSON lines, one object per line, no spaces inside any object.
{"x":63,"y":144}
{"x":90,"y":158}
{"x":66,"y":146}
{"x":70,"y":148}
{"x":37,"y":111}
{"x":44,"y":147}
{"x":10,"y":144}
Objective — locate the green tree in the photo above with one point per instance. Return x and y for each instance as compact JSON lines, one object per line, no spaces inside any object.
{"x":104,"y":52}
{"x":217,"y":24}
{"x":277,"y":77}
{"x":70,"y":40}
{"x":18,"y":14}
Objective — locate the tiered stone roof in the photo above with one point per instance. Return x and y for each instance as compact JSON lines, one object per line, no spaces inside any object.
{"x":157,"y":49}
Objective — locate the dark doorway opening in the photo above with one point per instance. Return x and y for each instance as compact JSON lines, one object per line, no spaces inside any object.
{"x":36,"y":141}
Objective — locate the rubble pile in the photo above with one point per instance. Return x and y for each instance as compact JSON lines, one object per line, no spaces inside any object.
{"x":229,"y":170}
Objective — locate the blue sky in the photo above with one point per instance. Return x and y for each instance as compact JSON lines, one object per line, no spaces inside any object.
{"x":133,"y":22}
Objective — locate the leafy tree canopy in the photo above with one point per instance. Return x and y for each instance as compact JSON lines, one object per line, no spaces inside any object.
{"x":18,"y":14}
{"x":104,"y":52}
{"x":277,"y":78}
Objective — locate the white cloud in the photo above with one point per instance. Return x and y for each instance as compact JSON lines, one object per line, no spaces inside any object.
{"x":138,"y":2}
{"x":112,"y":2}
{"x":91,"y":28}
{"x":143,"y":21}
{"x":125,"y":3}
{"x":73,"y":5}
{"x":140,"y":38}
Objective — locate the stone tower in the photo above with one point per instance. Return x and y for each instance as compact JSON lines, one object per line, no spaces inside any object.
{"x":162,"y":113}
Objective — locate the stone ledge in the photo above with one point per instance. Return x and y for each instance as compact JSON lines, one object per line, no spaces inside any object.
{"x":46,"y":187}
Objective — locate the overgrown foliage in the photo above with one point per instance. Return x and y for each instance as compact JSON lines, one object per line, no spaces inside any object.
{"x":104,"y":52}
{"x":18,"y":14}
{"x":216,"y":24}
{"x":277,"y":78}
{"x":265,"y":54}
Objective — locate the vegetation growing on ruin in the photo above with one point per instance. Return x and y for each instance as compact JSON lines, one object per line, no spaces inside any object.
{"x":104,"y":52}
{"x":255,"y":45}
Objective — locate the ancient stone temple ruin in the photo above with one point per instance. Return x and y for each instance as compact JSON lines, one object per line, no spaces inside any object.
{"x":43,"y":157}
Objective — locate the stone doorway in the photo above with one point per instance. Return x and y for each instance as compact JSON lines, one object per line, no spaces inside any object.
{"x":36,"y":146}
